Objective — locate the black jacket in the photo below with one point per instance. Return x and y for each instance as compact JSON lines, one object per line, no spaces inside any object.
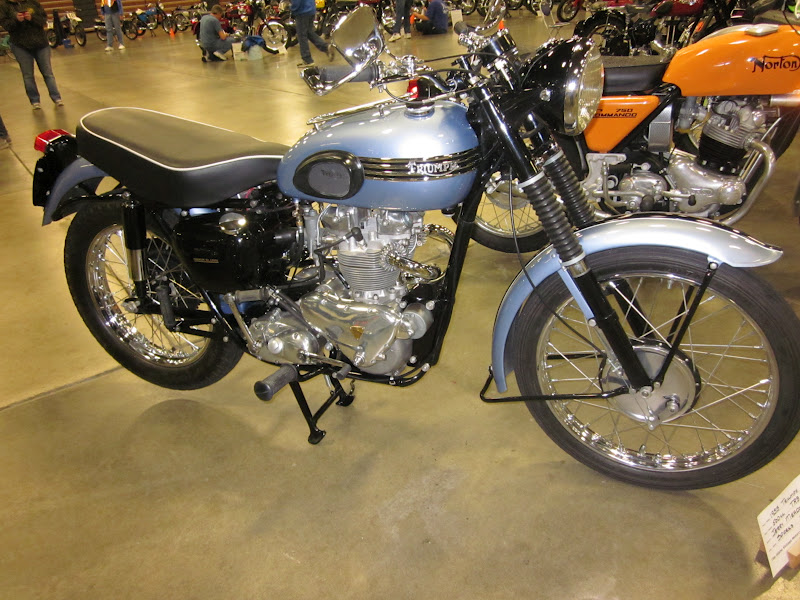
{"x":25,"y":34}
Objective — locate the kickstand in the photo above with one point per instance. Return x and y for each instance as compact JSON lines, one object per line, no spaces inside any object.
{"x":337,"y":393}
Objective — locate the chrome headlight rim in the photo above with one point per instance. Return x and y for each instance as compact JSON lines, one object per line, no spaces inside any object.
{"x":583,"y":88}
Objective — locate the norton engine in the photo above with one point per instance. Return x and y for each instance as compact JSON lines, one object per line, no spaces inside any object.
{"x":362,"y":306}
{"x":711,"y":170}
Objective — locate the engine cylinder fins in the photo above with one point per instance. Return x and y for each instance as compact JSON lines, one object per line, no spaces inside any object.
{"x":367,"y":271}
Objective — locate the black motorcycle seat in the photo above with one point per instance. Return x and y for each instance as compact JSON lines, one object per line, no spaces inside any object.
{"x":174,"y":161}
{"x":632,"y":74}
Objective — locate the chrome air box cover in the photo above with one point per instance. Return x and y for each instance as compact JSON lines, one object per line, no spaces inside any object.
{"x":391,"y":157}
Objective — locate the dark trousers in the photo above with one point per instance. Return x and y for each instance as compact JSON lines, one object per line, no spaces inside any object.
{"x":305,"y":32}
{"x":427,"y":28}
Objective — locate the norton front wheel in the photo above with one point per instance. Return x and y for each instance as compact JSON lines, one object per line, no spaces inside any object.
{"x":501,"y":218}
{"x":95,"y":262}
{"x":729,"y":402}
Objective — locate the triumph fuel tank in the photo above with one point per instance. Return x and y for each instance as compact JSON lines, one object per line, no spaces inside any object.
{"x":745,"y":60}
{"x":396,"y":156}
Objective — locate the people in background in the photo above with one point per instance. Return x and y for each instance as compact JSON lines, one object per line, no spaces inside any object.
{"x":25,"y":21}
{"x":213,"y":39}
{"x":112,"y":11}
{"x":303,"y":12}
{"x":434,"y":20}
{"x":402,"y":20}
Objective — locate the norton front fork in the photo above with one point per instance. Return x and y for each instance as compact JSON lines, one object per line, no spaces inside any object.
{"x":579,"y":277}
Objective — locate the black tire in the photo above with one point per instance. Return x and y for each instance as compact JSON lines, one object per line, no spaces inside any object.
{"x":52,"y":39}
{"x":181,"y":21}
{"x":130,"y":30}
{"x":167,"y":23}
{"x":94,"y":261}
{"x":729,"y":404}
{"x":80,"y":35}
{"x":100,"y":31}
{"x":467,"y":7}
{"x":607,"y":31}
{"x":514,"y":4}
{"x":275,"y":36}
{"x":493,"y":223}
{"x":567,"y":10}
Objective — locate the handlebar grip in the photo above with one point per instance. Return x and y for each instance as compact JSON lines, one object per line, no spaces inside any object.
{"x":336,"y":73}
{"x":461,"y":27}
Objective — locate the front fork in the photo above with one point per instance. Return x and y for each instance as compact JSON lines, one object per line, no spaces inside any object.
{"x":579,"y":277}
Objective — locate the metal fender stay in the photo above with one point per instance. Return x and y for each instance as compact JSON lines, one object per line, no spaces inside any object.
{"x":77,"y":171}
{"x":720,"y":243}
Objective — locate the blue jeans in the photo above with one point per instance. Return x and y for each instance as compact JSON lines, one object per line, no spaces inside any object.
{"x":113,"y":27}
{"x":25,"y":59}
{"x":305,"y":32}
{"x":402,"y":16}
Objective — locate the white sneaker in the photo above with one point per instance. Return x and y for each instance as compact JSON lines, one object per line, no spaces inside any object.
{"x":109,"y":48}
{"x":220,"y":55}
{"x":394,"y":37}
{"x":120,"y":47}
{"x":408,"y":35}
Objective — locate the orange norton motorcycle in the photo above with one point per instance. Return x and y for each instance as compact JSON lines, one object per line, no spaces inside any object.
{"x":697,"y":134}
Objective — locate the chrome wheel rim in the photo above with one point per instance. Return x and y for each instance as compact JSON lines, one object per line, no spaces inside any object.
{"x":495,"y":211}
{"x":110,"y":287}
{"x":735,"y":397}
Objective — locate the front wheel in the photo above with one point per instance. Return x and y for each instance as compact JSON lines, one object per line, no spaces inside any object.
{"x":80,"y":35}
{"x":275,"y":36}
{"x":567,"y":10}
{"x":167,"y":24}
{"x":729,"y":402}
{"x":130,"y":30}
{"x":97,"y":274}
{"x":181,"y":21}
{"x":467,"y":7}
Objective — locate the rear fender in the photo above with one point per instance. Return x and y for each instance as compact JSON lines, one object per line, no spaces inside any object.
{"x":719,"y":243}
{"x":64,"y":197}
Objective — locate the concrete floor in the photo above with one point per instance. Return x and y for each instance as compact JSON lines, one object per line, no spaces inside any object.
{"x":114,"y":488}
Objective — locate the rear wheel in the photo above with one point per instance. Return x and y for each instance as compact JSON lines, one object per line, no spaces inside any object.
{"x":100,"y":31}
{"x":567,"y":9}
{"x":181,"y":21}
{"x":80,"y":35}
{"x":52,"y":39}
{"x":729,"y":402}
{"x":167,"y":23}
{"x":97,"y":273}
{"x":607,"y":31}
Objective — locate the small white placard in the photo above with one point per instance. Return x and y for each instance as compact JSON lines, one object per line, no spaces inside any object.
{"x":780,"y":526}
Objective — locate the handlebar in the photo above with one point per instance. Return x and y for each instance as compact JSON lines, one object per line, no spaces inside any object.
{"x":336,"y":73}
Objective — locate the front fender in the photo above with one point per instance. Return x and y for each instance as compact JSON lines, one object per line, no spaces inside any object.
{"x":719,"y":243}
{"x":75,"y":173}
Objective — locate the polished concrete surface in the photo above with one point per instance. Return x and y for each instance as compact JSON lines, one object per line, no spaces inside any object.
{"x":115,"y":488}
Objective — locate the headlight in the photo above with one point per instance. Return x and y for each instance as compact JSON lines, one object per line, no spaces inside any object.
{"x":583,"y":89}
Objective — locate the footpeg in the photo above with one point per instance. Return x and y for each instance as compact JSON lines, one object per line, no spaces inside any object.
{"x":269,"y":386}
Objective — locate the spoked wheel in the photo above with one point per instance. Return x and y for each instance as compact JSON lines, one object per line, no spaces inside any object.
{"x":181,"y":21}
{"x":494,"y":227}
{"x":388,"y":17}
{"x":468,"y":7}
{"x":275,"y":36}
{"x":97,"y":273}
{"x":80,"y":35}
{"x":480,"y":5}
{"x":130,"y":30}
{"x":729,"y":402}
{"x":167,"y":24}
{"x":100,"y":31}
{"x":52,"y":38}
{"x":567,"y":9}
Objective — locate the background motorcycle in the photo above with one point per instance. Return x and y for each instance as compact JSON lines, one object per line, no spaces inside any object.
{"x":200,"y":255}
{"x":71,"y":24}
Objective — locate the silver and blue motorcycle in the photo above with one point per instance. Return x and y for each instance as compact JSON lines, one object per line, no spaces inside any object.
{"x":644,"y":346}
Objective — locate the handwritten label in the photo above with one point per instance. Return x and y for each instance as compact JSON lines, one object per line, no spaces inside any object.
{"x":780,"y":526}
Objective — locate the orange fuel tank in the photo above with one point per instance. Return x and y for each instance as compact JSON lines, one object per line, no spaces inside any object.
{"x":739,"y":62}
{"x":615,"y":118}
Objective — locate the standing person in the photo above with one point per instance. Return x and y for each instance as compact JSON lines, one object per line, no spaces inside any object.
{"x":303,"y":12}
{"x":25,"y":21}
{"x":434,"y":20}
{"x":112,"y":11}
{"x":213,"y":39}
{"x":402,"y":19}
{"x":5,"y":139}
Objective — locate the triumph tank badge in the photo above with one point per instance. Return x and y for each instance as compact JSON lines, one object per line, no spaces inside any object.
{"x":430,"y":169}
{"x":773,"y":63}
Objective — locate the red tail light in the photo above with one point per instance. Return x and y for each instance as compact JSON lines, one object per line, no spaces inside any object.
{"x":413,"y":89}
{"x":43,"y":139}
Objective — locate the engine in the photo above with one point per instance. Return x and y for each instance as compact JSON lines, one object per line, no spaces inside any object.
{"x":361,"y":306}
{"x":703,"y":182}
